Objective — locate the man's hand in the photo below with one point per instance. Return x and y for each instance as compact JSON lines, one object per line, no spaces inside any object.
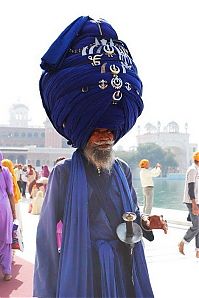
{"x":195,"y":208}
{"x":150,"y":222}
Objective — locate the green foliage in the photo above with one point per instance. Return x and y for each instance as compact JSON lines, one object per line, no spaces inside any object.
{"x":154,"y":153}
{"x":129,"y":156}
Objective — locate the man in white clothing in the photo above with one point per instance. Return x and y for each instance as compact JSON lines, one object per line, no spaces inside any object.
{"x":146,"y":177}
{"x":191,"y":199}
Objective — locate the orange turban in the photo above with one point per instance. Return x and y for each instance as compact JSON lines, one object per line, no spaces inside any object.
{"x":8,"y":164}
{"x":196,"y":156}
{"x":144,"y":163}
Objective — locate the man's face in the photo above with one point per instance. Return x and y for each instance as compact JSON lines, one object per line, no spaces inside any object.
{"x":99,"y":148}
{"x":102,"y":138}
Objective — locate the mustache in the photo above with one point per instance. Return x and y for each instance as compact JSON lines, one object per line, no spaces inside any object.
{"x":103,"y":143}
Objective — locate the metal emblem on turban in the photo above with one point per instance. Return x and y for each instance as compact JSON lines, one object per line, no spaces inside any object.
{"x":85,"y":89}
{"x":117,"y":95}
{"x":116,"y":83}
{"x":96,"y":59}
{"x":103,"y":84}
{"x":114,"y":69}
{"x":128,"y":86}
{"x":109,"y":50}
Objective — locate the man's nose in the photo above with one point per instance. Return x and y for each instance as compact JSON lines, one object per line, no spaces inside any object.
{"x":105,"y":136}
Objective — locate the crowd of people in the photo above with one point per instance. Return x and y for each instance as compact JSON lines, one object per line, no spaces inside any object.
{"x":17,"y":182}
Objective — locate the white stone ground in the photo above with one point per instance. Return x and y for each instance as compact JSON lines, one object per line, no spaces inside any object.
{"x":172,"y":274}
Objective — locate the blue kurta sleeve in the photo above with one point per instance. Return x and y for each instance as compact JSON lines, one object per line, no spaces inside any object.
{"x":47,"y":256}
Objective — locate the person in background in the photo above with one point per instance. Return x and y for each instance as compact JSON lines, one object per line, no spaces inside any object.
{"x":37,"y":186}
{"x":24,"y":178}
{"x":45,"y":172}
{"x":16,"y":191}
{"x":146,"y":178}
{"x":8,"y":164}
{"x":18,"y":173}
{"x":7,"y":215}
{"x":37,"y":202}
{"x":92,"y":94}
{"x":191,"y":199}
{"x":32,"y":177}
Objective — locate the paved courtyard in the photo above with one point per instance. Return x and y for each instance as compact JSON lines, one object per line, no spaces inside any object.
{"x":172,"y":275}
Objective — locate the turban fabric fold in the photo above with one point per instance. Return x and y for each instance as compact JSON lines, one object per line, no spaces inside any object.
{"x":90,"y":81}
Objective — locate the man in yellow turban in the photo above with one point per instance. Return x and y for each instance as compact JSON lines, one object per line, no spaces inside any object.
{"x":146,"y":177}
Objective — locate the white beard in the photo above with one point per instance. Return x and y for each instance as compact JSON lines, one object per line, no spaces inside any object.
{"x":101,"y":158}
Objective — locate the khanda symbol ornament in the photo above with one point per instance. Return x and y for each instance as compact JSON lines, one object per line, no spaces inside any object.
{"x":109,"y":50}
{"x":114,"y":69}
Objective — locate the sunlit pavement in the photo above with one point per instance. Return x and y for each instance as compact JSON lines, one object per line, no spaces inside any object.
{"x":172,"y":274}
{"x":29,"y":225}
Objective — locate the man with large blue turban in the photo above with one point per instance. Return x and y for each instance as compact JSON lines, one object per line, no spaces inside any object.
{"x":91,"y":92}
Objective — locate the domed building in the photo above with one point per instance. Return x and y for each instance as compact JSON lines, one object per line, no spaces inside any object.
{"x":19,"y":115}
{"x":169,"y":137}
{"x":25,"y":144}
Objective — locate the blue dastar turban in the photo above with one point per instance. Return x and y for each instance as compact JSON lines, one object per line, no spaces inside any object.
{"x":90,"y":81}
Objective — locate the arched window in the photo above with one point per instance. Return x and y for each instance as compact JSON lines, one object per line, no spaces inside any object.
{"x":38,"y":163}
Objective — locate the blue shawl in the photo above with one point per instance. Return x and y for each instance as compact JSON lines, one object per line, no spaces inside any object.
{"x":75,"y":272}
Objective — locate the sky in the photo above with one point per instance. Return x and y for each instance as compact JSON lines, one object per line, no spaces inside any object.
{"x":162,"y":36}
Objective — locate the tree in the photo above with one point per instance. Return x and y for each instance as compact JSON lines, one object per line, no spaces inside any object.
{"x":129,"y":156}
{"x":170,"y":162}
{"x":153,"y":153}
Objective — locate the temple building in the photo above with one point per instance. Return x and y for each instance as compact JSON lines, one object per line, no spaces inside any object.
{"x":27,"y":144}
{"x":169,"y":137}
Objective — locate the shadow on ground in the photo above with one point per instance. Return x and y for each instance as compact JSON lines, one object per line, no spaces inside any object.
{"x":21,"y":283}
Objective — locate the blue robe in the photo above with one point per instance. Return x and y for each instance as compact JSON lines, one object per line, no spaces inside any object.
{"x":93,"y":262}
